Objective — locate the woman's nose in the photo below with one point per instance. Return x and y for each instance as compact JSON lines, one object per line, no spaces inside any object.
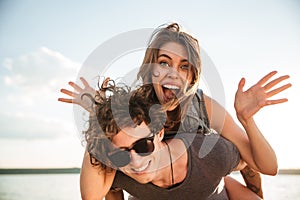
{"x":173,"y":73}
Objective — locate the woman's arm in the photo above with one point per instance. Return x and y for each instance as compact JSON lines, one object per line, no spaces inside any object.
{"x":223,"y":123}
{"x":94,"y":184}
{"x":237,"y":191}
{"x":90,"y":177}
{"x":254,"y":148}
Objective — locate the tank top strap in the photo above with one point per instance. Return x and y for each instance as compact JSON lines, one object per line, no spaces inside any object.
{"x":202,"y":108}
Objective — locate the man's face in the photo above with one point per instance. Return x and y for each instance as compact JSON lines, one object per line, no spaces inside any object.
{"x":141,"y":168}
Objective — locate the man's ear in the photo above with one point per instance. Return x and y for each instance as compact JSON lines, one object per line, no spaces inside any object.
{"x":161,"y":134}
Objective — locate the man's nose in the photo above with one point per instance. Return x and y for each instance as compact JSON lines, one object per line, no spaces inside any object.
{"x":136,"y":159}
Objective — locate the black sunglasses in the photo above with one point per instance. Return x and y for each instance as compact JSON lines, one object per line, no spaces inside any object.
{"x":122,"y":156}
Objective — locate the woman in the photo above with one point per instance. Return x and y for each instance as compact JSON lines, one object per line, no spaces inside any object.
{"x":172,"y":65}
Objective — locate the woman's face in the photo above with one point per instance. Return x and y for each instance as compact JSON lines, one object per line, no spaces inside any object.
{"x":172,"y":73}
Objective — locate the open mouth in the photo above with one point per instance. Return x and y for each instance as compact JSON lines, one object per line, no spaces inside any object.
{"x":170,"y":92}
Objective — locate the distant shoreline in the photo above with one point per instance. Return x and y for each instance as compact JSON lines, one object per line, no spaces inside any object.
{"x":40,"y":171}
{"x":289,"y":171}
{"x":76,"y":170}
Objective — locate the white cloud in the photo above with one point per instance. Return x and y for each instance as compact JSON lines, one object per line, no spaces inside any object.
{"x":42,"y":68}
{"x":29,"y":106}
{"x":33,"y":126}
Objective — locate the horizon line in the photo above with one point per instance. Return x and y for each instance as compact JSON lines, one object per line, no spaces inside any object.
{"x":76,"y":170}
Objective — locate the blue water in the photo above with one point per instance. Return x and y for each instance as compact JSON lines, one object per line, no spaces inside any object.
{"x":66,"y":187}
{"x":39,"y":186}
{"x":280,"y":187}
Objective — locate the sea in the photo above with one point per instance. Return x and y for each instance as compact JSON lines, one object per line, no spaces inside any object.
{"x":66,"y":187}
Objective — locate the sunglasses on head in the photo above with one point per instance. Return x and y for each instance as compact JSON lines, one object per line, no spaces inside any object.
{"x":122,"y":156}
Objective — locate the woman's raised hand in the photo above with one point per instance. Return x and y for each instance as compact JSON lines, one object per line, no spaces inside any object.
{"x":78,"y":95}
{"x":248,"y":102}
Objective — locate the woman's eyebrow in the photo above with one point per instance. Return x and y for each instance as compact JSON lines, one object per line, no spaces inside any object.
{"x":167,"y":56}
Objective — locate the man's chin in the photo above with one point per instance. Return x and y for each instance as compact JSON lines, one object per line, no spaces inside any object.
{"x":141,"y":180}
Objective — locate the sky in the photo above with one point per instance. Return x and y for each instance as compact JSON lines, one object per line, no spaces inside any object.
{"x":46,"y":44}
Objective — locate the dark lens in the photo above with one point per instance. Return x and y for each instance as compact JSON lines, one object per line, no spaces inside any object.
{"x":144,"y":147}
{"x":120,"y":158}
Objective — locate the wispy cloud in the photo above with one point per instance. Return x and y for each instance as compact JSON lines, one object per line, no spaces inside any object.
{"x":43,"y":68}
{"x":31,"y":87}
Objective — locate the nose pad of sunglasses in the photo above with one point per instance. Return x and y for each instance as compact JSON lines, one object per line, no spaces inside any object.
{"x":120,"y":159}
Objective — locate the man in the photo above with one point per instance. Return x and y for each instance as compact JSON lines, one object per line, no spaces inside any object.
{"x":126,"y":141}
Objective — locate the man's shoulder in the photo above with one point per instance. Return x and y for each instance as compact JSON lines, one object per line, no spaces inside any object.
{"x":207,"y":143}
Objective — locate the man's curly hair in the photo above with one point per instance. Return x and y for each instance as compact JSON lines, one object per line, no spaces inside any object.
{"x":116,"y":108}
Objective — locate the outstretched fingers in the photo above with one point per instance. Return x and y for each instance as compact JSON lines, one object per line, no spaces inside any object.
{"x":85,"y":83}
{"x":76,"y":96}
{"x":275,"y":82}
{"x":266,"y":78}
{"x":66,"y":100}
{"x":278,"y":90}
{"x":277,"y":101}
{"x":68,"y":92}
{"x":241,"y":85}
{"x":75,"y":86}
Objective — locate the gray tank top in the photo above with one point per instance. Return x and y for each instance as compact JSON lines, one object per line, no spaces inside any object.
{"x":205,"y":173}
{"x":196,"y":119}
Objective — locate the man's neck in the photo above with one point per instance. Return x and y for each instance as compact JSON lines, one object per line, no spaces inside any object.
{"x":179,"y":167}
